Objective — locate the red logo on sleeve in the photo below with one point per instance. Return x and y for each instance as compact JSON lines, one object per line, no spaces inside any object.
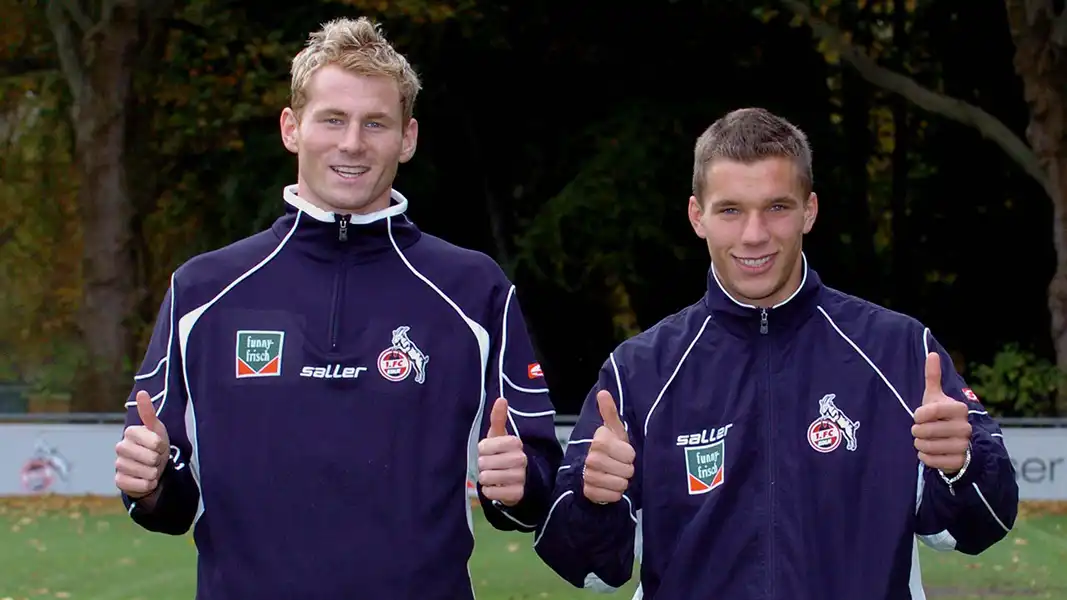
{"x":533,"y":371}
{"x":970,"y":395}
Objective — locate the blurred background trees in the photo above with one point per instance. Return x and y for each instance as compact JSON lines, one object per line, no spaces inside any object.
{"x":558,"y":139}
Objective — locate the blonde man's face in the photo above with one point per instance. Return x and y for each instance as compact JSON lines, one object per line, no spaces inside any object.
{"x":349,"y":139}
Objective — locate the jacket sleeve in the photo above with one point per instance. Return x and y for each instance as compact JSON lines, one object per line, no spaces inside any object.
{"x":980,"y":508}
{"x":592,"y":545}
{"x":161,"y":376}
{"x":514,"y":374}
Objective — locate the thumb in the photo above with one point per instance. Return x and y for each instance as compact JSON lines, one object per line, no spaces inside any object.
{"x":147,"y":412}
{"x":610,"y":413}
{"x":498,"y":419}
{"x":933,"y":377}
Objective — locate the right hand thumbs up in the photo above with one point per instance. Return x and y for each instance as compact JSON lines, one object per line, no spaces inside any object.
{"x":143,"y":452}
{"x":609,"y":465}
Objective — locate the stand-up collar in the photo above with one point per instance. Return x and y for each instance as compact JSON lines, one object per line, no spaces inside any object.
{"x":329,"y":235}
{"x":746,"y":319}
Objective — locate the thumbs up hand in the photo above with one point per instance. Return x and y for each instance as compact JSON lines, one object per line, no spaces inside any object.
{"x":942,"y":432}
{"x":609,"y":465}
{"x":501,"y":460}
{"x":143,"y":452}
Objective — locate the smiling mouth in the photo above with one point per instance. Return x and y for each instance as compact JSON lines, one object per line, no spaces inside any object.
{"x":755,"y":263}
{"x":350,"y":172}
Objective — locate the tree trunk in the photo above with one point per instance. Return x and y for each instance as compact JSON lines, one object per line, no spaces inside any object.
{"x":856,"y":98}
{"x":901,"y":248}
{"x":97,"y":59}
{"x":1040,"y":36}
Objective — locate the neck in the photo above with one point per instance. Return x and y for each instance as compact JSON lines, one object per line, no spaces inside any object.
{"x":792,"y":285}
{"x":293,"y":196}
{"x":378,"y":204}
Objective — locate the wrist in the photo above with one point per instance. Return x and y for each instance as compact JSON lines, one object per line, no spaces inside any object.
{"x":951,"y":478}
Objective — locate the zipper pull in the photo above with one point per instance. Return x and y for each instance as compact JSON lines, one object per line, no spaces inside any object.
{"x":763,"y":321}
{"x":342,"y":228}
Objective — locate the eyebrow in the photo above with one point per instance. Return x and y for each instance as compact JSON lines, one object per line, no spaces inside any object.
{"x":336,"y":112}
{"x":329,"y":112}
{"x":729,"y":203}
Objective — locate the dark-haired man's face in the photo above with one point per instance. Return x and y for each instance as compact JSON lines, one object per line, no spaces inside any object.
{"x":753,"y":217}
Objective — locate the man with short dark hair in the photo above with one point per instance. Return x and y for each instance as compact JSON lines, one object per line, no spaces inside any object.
{"x":778,"y":439}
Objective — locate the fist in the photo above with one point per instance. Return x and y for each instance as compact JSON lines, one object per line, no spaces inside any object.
{"x":143,"y":452}
{"x":942,"y":431}
{"x":609,"y":465}
{"x":501,"y":460}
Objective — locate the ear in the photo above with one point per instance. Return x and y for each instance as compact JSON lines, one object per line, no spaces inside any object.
{"x":811,"y":210}
{"x":696,"y":212}
{"x":290,"y":128}
{"x":410,"y":141}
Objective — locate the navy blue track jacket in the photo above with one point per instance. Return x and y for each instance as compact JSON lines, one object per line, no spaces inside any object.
{"x":775,"y":458}
{"x":324,"y":384}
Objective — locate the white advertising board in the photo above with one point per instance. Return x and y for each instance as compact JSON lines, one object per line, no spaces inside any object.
{"x":58,"y":458}
{"x":76,"y":459}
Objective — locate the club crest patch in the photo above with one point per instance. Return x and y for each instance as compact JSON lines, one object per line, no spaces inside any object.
{"x":403,"y":357}
{"x":259,"y":353}
{"x":831,"y":427}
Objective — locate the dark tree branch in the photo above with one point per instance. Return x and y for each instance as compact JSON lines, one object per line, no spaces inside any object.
{"x":74,"y":9}
{"x":1059,"y":29}
{"x":925,"y":98}
{"x":70,"y":61}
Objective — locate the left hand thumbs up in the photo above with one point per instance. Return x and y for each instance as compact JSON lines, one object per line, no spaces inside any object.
{"x":501,"y":459}
{"x":942,"y":431}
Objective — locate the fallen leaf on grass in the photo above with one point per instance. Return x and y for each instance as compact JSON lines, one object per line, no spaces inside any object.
{"x":513,"y":547}
{"x":1021,"y":541}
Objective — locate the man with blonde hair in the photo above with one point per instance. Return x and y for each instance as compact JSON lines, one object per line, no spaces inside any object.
{"x":315,"y":397}
{"x":777,"y":439}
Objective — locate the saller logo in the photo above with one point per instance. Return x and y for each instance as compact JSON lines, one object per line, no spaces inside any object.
{"x":332,"y":372}
{"x":705,"y":458}
{"x":396,"y":362}
{"x":259,"y":353}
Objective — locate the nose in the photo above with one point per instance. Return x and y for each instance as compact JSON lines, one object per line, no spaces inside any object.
{"x":352,"y":142}
{"x":755,"y":231}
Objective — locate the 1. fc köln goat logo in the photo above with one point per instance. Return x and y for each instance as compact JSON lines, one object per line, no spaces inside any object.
{"x":396,"y":362}
{"x":831,"y":427}
{"x":259,"y":353}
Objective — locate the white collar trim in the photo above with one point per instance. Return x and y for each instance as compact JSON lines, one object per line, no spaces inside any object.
{"x":319,"y":214}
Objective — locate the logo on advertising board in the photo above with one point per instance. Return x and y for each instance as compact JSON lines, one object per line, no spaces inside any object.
{"x":44,"y":467}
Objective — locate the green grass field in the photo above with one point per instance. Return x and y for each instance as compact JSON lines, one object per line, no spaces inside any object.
{"x":89,"y":549}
